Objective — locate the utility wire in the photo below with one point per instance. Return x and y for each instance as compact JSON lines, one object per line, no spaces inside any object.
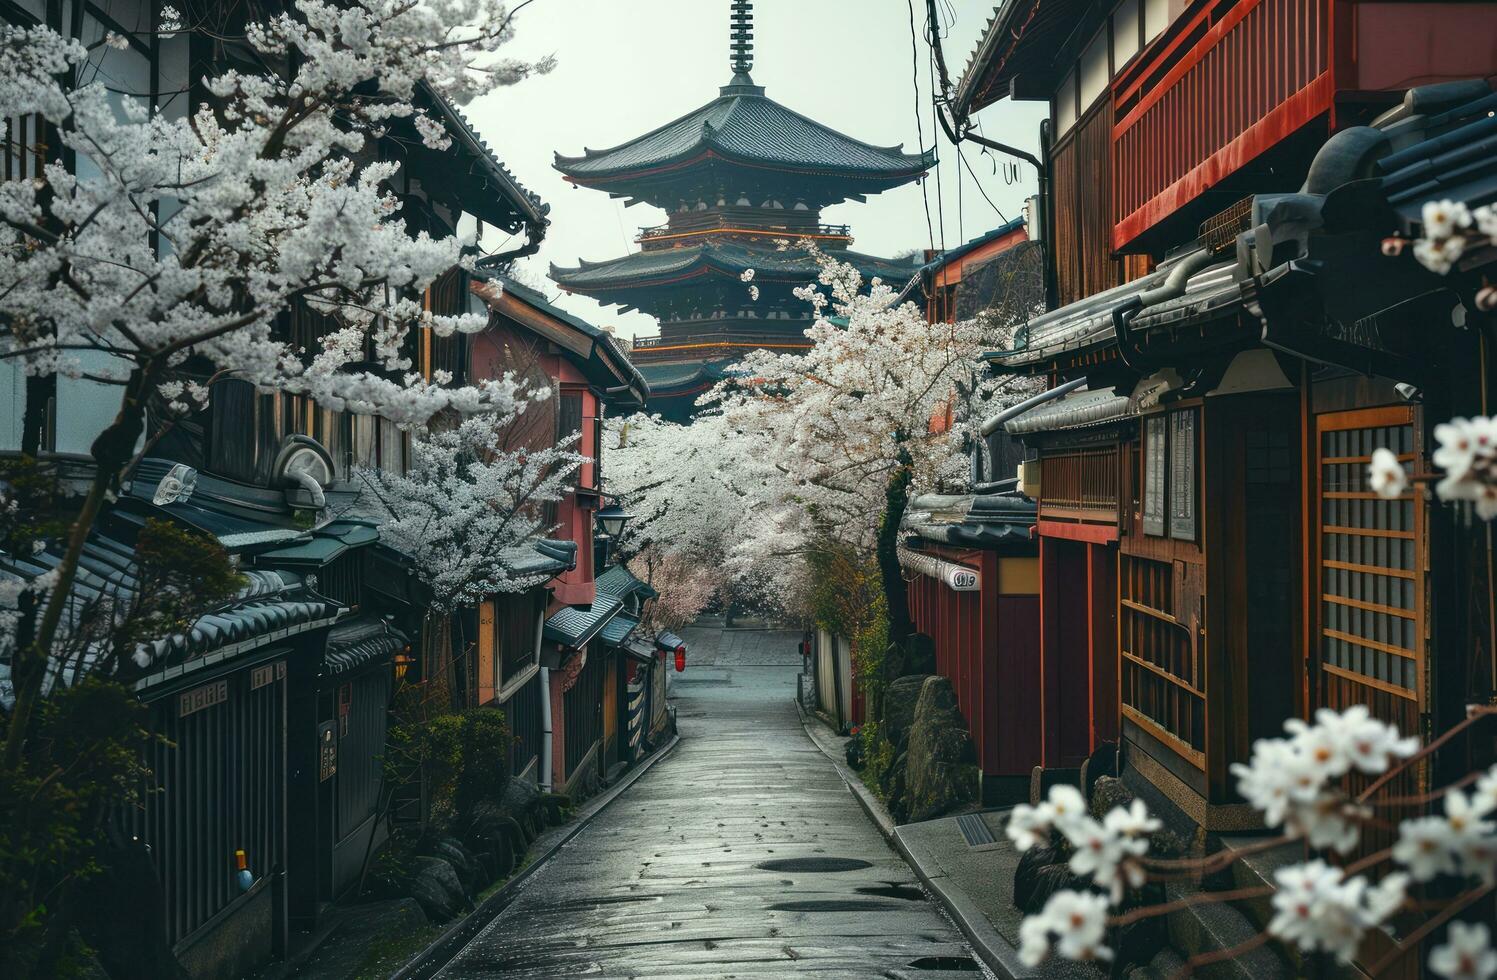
{"x":919,"y":124}
{"x":963,"y":157}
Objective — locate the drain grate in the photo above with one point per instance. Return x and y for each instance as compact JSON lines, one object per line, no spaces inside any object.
{"x":813,"y":865}
{"x":975,"y":830}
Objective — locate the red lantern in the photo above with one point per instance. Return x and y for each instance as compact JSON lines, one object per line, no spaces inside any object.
{"x":680,"y":659}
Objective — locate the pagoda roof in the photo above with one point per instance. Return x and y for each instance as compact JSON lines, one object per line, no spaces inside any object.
{"x":743,"y":125}
{"x":720,"y":258}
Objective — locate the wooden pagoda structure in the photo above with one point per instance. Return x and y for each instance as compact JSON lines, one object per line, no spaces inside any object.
{"x":737,"y":178}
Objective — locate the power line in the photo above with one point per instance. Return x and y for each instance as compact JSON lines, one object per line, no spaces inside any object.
{"x":963,"y":157}
{"x":919,"y":124}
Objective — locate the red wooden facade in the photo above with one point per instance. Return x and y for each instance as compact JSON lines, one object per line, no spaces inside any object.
{"x":987,"y":644}
{"x":1230,"y":81}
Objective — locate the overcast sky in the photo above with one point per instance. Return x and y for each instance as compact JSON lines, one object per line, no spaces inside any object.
{"x":625,"y":67}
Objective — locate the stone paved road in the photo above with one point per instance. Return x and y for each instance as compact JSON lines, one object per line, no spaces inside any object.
{"x":676,"y":879}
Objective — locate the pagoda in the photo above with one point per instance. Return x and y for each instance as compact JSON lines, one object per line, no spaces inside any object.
{"x":738,"y":178}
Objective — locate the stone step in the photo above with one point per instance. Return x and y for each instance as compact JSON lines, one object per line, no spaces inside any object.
{"x":1207,"y":928}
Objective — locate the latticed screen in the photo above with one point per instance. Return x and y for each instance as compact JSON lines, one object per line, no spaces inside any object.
{"x":1371,"y":575}
{"x":1162,"y":677}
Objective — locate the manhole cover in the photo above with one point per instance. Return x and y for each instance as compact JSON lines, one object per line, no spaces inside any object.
{"x":815,"y":865}
{"x":834,"y":905}
{"x":905,"y":892}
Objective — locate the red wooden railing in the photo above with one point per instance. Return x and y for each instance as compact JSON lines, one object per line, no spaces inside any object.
{"x":1226,"y":82}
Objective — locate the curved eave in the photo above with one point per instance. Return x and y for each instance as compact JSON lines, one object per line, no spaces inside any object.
{"x":914,"y":167}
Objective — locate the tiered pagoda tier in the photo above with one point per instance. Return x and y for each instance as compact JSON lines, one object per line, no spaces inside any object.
{"x":738,"y":179}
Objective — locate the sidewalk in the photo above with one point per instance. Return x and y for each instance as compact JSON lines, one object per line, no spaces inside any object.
{"x":972,"y":880}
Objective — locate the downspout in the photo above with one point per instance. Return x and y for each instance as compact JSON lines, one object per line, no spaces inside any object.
{"x":546,"y":739}
{"x":1172,"y":287}
{"x":309,"y":483}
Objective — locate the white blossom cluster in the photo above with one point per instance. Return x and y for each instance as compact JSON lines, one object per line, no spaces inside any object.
{"x":1318,"y":908}
{"x":1294,"y":780}
{"x":696,"y":493}
{"x":192,"y":235}
{"x":830,"y":423}
{"x":469,"y":508}
{"x":1449,"y":229}
{"x":1462,"y":841}
{"x":1467,"y":454}
{"x":1109,"y":852}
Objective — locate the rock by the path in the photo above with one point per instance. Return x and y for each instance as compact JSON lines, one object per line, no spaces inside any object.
{"x":919,"y":654}
{"x":438,"y":890}
{"x":469,"y":870}
{"x":1026,"y":874}
{"x":939,"y":773}
{"x":900,"y":699}
{"x":1107,"y":795}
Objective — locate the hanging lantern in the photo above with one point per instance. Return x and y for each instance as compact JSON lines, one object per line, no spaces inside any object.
{"x":680,"y":659}
{"x":403,"y":661}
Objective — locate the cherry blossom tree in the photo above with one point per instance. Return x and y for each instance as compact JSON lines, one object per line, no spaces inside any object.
{"x":847,"y":425}
{"x":171,"y":262}
{"x":469,"y":508}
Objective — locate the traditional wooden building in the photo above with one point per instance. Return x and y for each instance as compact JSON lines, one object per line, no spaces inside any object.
{"x":735,"y":177}
{"x":973,"y":580}
{"x":1198,"y":471}
{"x":273,"y":709}
{"x":576,"y":680}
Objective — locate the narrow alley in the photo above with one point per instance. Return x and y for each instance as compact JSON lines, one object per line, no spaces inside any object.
{"x":740,"y":855}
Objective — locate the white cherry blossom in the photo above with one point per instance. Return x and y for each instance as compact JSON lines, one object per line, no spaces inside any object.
{"x":1317,"y":908}
{"x":1466,"y":953}
{"x":1442,"y":219}
{"x":1072,"y":925}
{"x":1386,"y":475}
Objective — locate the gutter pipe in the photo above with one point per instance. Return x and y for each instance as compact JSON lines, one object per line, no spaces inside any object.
{"x":546,"y":736}
{"x":1173,"y":286}
{"x":993,"y":424}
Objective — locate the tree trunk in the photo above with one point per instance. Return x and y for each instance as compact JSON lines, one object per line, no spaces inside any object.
{"x":112,"y":452}
{"x":896,"y":499}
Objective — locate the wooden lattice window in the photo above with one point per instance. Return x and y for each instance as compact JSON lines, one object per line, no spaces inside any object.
{"x":1371,"y":607}
{"x":1156,"y":441}
{"x":1183,"y":475}
{"x":1162,"y":675}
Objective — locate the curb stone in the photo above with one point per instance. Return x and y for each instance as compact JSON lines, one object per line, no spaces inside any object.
{"x":451,"y":942}
{"x":986,"y":942}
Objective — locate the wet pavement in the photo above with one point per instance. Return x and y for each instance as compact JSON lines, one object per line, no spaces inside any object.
{"x":741,"y":854}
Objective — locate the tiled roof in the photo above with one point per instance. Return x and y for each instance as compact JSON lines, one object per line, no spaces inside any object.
{"x":617,"y":629}
{"x":955,"y":254}
{"x":1076,"y":410}
{"x":620,"y":583}
{"x":1088,"y":322}
{"x":1021,"y":38}
{"x":571,"y":627}
{"x":271,"y":604}
{"x":983,"y":520}
{"x":754,"y":129}
{"x":356,"y":642}
{"x":606,"y":345}
{"x":530,"y":208}
{"x":652,"y":268}
{"x":664,"y":378}
{"x":1444,"y":141}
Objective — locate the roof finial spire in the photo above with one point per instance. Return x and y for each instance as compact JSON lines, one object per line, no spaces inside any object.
{"x":743,"y":36}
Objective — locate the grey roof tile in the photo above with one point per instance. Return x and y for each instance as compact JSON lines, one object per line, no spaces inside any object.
{"x":752,"y":128}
